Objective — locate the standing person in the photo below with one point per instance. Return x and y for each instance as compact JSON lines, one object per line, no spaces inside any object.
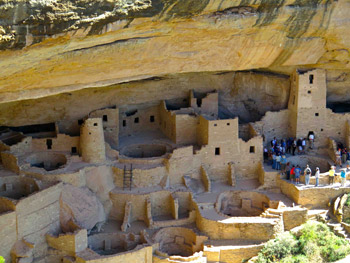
{"x":283,"y":145}
{"x":303,"y":145}
{"x":299,"y":145}
{"x":311,"y":140}
{"x":266,"y":155}
{"x":278,"y":162}
{"x":273,"y":142}
{"x":344,"y":155}
{"x":343,"y":177}
{"x":292,"y":173}
{"x":297,"y":172}
{"x":283,"y":164}
{"x":289,"y":145}
{"x":317,"y":176}
{"x":331,"y":175}
{"x":270,"y":161}
{"x":288,"y":171}
{"x":294,"y":145}
{"x":307,"y":173}
{"x":338,"y":157}
{"x":273,"y":161}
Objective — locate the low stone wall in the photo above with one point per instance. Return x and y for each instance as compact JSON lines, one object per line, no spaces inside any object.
{"x":146,"y":177}
{"x":253,"y":228}
{"x":289,"y":190}
{"x":231,"y":254}
{"x":10,"y":161}
{"x":141,"y":254}
{"x":71,"y":243}
{"x":293,"y":217}
{"x":235,"y":198}
{"x":161,"y":204}
{"x":312,"y":197}
{"x":178,"y":222}
{"x":195,"y":258}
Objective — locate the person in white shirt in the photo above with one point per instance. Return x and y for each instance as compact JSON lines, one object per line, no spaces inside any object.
{"x":311,"y":140}
{"x":317,"y":176}
{"x":303,"y":144}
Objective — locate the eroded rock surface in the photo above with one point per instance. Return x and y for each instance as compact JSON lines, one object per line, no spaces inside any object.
{"x":84,"y":44}
{"x":80,"y":205}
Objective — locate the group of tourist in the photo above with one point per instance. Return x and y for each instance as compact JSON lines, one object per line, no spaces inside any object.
{"x":276,"y":157}
{"x":295,"y":172}
{"x":290,"y":145}
{"x":342,"y":155}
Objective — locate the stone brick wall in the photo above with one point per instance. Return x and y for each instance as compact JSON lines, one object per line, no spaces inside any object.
{"x":7,"y":232}
{"x":167,"y":122}
{"x":38,"y":215}
{"x":141,"y":254}
{"x":62,"y":142}
{"x":92,"y":141}
{"x":140,"y":121}
{"x":186,"y":129}
{"x":71,"y":243}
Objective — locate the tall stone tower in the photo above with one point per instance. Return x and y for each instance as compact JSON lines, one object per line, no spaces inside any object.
{"x":92,"y":142}
{"x":307,"y":103}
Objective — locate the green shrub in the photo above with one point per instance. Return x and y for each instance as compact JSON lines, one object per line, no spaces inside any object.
{"x":347,"y":202}
{"x":278,"y":248}
{"x":318,"y":239}
{"x":314,"y":243}
{"x":2,"y":260}
{"x":295,"y":259}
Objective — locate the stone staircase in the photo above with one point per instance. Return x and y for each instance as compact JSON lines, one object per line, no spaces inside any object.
{"x":317,"y":214}
{"x":274,"y":213}
{"x":334,"y":225}
{"x":338,"y":229}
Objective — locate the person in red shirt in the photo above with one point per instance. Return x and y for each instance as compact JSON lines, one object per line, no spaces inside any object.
{"x":292,"y":173}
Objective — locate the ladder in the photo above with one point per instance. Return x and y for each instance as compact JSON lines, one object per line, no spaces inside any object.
{"x":127,"y":180}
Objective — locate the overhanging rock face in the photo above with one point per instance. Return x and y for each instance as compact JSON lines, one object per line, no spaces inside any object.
{"x":50,"y":47}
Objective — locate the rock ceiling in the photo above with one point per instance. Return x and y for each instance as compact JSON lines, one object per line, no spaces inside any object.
{"x":50,"y":47}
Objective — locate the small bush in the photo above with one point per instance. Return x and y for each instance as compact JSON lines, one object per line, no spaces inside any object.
{"x":2,"y":260}
{"x":276,"y":249}
{"x":314,"y":243}
{"x":295,"y":259}
{"x":347,"y":202}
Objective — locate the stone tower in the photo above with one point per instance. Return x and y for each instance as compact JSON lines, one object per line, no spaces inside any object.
{"x":92,"y":142}
{"x":307,"y":103}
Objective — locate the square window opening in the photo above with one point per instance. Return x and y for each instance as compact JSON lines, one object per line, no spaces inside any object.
{"x":80,"y":122}
{"x":105,"y":118}
{"x":74,"y":150}
{"x":217,"y":151}
{"x":151,"y":118}
{"x":95,"y":124}
{"x":137,"y":120}
{"x":317,"y":114}
{"x":228,"y":124}
{"x":311,"y":79}
{"x":252,"y":149}
{"x":124,"y":123}
{"x":309,"y":91}
{"x":215,"y":124}
{"x":49,"y":144}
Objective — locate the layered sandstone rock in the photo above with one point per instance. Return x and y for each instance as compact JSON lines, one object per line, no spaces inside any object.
{"x":84,"y":44}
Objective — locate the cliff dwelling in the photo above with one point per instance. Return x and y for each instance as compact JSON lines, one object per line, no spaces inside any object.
{"x":167,"y":131}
